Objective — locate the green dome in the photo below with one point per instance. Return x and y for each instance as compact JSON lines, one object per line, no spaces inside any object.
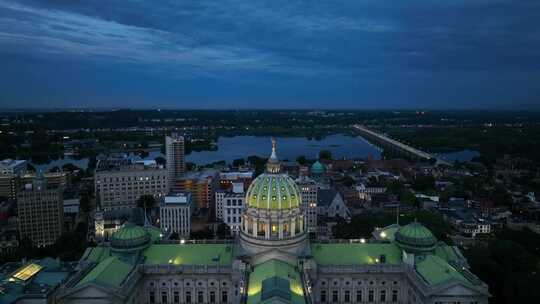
{"x":130,"y":238}
{"x":415,"y":238}
{"x":317,"y":168}
{"x":273,"y":191}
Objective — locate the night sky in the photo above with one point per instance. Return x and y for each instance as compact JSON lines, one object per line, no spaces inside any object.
{"x":440,"y":54}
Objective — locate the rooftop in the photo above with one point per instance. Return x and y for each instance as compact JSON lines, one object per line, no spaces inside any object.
{"x":275,"y":279}
{"x":355,"y":254}
{"x":35,"y":279}
{"x":189,"y":254}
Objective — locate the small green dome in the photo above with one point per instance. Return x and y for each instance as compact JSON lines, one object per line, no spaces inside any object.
{"x":415,"y":238}
{"x":273,"y":191}
{"x":130,"y":238}
{"x":317,"y":168}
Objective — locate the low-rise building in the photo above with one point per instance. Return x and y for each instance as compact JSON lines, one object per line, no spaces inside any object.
{"x":12,"y":167}
{"x":226,"y":179}
{"x":331,"y":204}
{"x":202,"y":186}
{"x":34,"y":282}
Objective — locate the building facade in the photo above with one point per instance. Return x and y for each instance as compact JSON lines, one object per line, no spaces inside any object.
{"x":274,"y":262}
{"x":308,"y":190}
{"x":121,"y":186}
{"x":202,"y":186}
{"x":175,"y":213}
{"x":175,"y":153}
{"x":230,"y":205}
{"x":40,"y":213}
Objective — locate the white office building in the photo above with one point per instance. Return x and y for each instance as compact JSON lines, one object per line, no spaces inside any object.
{"x":175,"y":213}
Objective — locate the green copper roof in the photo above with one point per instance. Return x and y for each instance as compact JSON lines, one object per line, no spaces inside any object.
{"x":317,"y":168}
{"x":355,"y":254}
{"x":189,"y":254}
{"x":97,"y":254}
{"x":446,"y":252}
{"x":130,"y":238}
{"x":435,"y":271}
{"x":275,"y":279}
{"x":110,"y":272}
{"x":273,"y":191}
{"x":414,"y":237}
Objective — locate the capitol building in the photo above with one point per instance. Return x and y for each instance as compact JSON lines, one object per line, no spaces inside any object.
{"x":272,"y":260}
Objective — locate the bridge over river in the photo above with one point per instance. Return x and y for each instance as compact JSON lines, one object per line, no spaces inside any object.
{"x":395,"y":145}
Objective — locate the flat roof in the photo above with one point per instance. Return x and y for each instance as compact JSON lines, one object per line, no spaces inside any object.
{"x":355,"y":254}
{"x":189,"y":254}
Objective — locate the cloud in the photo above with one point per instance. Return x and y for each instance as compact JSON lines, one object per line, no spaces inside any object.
{"x":352,"y":48}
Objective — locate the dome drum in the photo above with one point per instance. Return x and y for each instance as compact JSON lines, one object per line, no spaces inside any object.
{"x":273,"y":218}
{"x":130,"y":238}
{"x":415,"y":238}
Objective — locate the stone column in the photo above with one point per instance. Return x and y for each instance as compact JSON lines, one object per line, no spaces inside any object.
{"x":280,"y":229}
{"x":255,"y":224}
{"x":267,"y":231}
{"x":293,"y":227}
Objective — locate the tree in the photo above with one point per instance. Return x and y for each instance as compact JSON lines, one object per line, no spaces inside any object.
{"x":30,"y":167}
{"x":174,"y":236}
{"x":325,"y":154}
{"x":348,"y":181}
{"x":70,"y":167}
{"x":302,"y":160}
{"x":160,"y":161}
{"x":202,"y":234}
{"x":223,"y":231}
{"x":85,"y":202}
{"x":146,"y":202}
{"x":238,"y":162}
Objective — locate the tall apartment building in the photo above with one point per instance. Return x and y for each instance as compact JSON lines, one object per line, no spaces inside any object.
{"x":120,"y":186}
{"x":40,"y":212}
{"x":202,"y":186}
{"x":230,"y":205}
{"x":175,"y":213}
{"x":308,"y":191}
{"x":175,"y":150}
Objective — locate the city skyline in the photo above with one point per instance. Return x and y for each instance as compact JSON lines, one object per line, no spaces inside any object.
{"x":268,"y":55}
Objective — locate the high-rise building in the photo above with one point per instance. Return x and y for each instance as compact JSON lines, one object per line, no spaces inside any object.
{"x":175,"y":213}
{"x":40,"y":212}
{"x":175,"y":151}
{"x":201,"y":184}
{"x":308,"y":191}
{"x":122,"y":185}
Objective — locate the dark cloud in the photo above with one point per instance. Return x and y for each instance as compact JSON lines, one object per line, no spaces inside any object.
{"x":247,"y":53}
